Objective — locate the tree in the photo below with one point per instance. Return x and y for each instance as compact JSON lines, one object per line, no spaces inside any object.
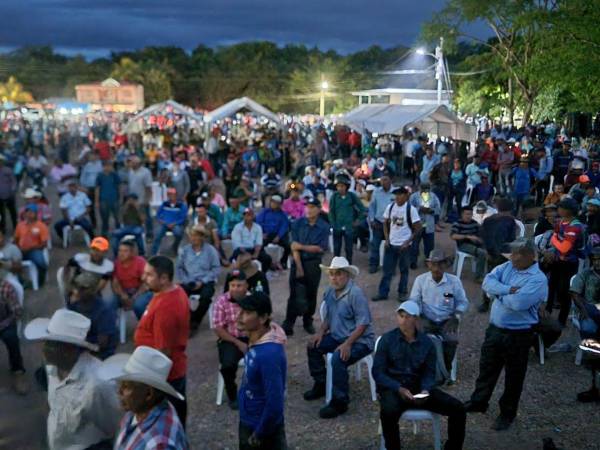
{"x":12,"y":91}
{"x":154,"y":76}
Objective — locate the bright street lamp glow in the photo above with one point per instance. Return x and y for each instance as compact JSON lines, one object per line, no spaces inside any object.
{"x":324,"y":85}
{"x":421,"y":51}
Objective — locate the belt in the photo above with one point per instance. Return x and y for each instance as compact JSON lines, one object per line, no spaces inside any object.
{"x":510,"y":331}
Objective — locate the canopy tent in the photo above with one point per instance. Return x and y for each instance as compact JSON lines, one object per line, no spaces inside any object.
{"x":395,"y":119}
{"x":228,"y":109}
{"x":167,"y":107}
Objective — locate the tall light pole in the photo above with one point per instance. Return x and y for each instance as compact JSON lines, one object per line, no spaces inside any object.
{"x":324,"y":87}
{"x":439,"y":72}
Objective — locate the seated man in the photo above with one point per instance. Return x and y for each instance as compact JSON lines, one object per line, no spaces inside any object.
{"x":75,"y":207}
{"x":197,"y":269}
{"x":233,"y":215}
{"x":466,"y":232}
{"x":130,"y":290}
{"x":10,"y":257}
{"x":256,"y":279}
{"x":585,"y":291}
{"x":247,"y":236}
{"x":442,"y":300}
{"x":31,"y":236}
{"x":232,"y":343}
{"x":346,"y":331}
{"x":85,"y":299}
{"x":171,"y":216}
{"x":132,"y":219}
{"x":403,"y":368}
{"x":275,"y":225}
{"x":44,"y":213}
{"x":94,"y":262}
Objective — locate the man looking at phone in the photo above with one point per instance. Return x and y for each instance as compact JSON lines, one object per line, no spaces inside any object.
{"x":404,"y":371}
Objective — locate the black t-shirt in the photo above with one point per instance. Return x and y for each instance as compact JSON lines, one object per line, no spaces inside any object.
{"x":497,"y":231}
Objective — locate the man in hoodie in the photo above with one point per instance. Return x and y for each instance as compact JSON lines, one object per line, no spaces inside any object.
{"x":171,"y":216}
{"x":262,"y":393}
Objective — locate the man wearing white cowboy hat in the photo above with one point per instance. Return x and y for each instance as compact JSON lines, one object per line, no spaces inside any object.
{"x":84,"y":410}
{"x":346,"y":331}
{"x":151,"y":421}
{"x":44,"y":213}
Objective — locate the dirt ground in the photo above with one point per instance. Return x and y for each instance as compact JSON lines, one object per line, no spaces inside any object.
{"x":547,"y":409}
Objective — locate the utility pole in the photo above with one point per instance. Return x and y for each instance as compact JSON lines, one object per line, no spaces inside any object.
{"x":324,"y":86}
{"x":439,"y":72}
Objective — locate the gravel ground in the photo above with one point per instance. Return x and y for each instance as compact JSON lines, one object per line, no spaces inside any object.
{"x":548,"y":407}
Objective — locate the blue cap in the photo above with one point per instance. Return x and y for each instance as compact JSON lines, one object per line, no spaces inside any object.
{"x":31,"y":207}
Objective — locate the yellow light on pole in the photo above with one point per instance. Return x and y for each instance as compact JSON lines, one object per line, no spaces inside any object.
{"x":324,"y":87}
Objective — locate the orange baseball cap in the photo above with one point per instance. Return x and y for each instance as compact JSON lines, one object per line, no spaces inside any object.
{"x":100,"y":244}
{"x":171,"y":191}
{"x":584,"y":179}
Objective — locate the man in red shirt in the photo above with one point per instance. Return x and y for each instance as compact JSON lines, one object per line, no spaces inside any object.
{"x":165,"y":325}
{"x":127,"y":284}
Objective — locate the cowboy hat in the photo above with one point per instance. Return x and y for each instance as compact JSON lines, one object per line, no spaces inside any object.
{"x":341,"y":263}
{"x":145,"y":365}
{"x":31,"y":193}
{"x":64,"y":326}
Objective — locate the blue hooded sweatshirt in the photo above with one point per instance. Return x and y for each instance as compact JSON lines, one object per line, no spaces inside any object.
{"x":261,"y":397}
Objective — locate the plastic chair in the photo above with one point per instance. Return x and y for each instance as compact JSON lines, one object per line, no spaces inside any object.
{"x":67,"y":235}
{"x":460,"y":260}
{"x":415,"y":416}
{"x":275,"y":252}
{"x":367,"y":360}
{"x":61,"y":283}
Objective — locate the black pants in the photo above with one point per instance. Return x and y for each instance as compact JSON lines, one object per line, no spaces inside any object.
{"x":8,"y":203}
{"x":348,"y":237}
{"x":558,"y":287}
{"x":275,"y":441}
{"x":92,"y":196}
{"x":10,"y":338}
{"x":206,"y":291}
{"x":508,"y":350}
{"x":392,"y":406}
{"x":179,"y":405}
{"x":449,"y":341}
{"x":303,"y":292}
{"x":229,"y":358}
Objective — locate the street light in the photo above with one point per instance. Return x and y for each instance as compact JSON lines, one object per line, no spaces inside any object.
{"x":420,"y":51}
{"x":439,"y":69}
{"x":324,"y":87}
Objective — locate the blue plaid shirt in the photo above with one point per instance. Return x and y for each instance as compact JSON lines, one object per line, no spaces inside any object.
{"x":160,"y":430}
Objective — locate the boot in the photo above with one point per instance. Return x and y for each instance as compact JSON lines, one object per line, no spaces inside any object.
{"x":317,"y":392}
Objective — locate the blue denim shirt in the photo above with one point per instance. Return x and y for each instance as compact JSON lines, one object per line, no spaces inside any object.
{"x":380,"y":200}
{"x":306,"y":234}
{"x":203,"y":266}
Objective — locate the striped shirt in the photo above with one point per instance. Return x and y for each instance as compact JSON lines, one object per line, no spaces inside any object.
{"x":224,"y":314}
{"x":472,"y":228}
{"x":160,"y":430}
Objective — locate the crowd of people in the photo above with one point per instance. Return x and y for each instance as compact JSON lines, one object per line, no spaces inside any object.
{"x":251,"y":202}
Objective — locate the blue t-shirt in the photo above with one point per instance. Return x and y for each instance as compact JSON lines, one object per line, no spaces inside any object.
{"x":109,"y":186}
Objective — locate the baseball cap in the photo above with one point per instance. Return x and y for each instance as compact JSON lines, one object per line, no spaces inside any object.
{"x":100,"y":244}
{"x":584,"y":179}
{"x":409,"y":307}
{"x":370,"y":187}
{"x":258,"y":302}
{"x":276,"y":198}
{"x":570,"y":204}
{"x":31,"y":207}
{"x":400,"y":190}
{"x":313,"y":202}
{"x":235,"y":274}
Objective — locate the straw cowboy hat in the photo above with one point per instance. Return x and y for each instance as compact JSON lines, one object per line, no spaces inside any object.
{"x":64,"y":326}
{"x":341,"y":263}
{"x":146,"y":365}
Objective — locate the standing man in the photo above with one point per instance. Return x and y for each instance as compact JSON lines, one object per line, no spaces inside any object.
{"x":10,"y":312}
{"x":402,"y":224}
{"x":108,"y":196}
{"x":346,"y":332}
{"x":519,"y":288}
{"x":381,"y":199}
{"x":262,"y":394}
{"x":8,"y":191}
{"x":310,"y":239}
{"x":404,"y":366}
{"x":139,"y":182}
{"x":429,"y":207}
{"x":166,"y":324}
{"x":87,"y":180}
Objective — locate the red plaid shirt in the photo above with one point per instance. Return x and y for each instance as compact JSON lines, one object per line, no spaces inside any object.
{"x":10,"y":308}
{"x":225,"y":313}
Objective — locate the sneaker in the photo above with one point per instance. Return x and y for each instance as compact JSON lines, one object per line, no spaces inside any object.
{"x":373,"y":269}
{"x":332,"y":410}
{"x":233,"y":404}
{"x":472,"y":407}
{"x":502,"y":423}
{"x":379,"y":298}
{"x":317,"y":392}
{"x":20,"y":383}
{"x":309,"y":328}
{"x":565,"y":347}
{"x":589,"y":396}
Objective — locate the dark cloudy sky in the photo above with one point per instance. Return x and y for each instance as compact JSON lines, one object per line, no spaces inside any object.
{"x":97,"y":26}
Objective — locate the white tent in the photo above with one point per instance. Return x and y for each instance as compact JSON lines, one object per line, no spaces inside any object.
{"x":395,"y":119}
{"x":228,"y":109}
{"x":163,"y":107}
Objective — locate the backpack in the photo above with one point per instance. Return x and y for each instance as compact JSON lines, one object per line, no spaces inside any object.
{"x":409,"y":221}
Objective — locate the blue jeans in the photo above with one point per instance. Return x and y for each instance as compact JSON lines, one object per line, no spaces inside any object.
{"x":590,"y":327}
{"x":124,"y":231}
{"x":149,"y":224}
{"x":348,"y":236}
{"x":394,"y":256}
{"x":318,"y":370}
{"x":82,"y":222}
{"x":428,"y":243}
{"x":36,"y":256}
{"x":108,"y":209}
{"x":376,"y":238}
{"x":141,"y":303}
{"x":162,"y":230}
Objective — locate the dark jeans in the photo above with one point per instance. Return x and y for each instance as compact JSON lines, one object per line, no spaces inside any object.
{"x":392,"y":406}
{"x":455,"y":196}
{"x":361,"y":232}
{"x":449,"y":341}
{"x":108,"y":209}
{"x":120,"y":233}
{"x":81,"y":221}
{"x":590,"y":327}
{"x":348,"y":236}
{"x":162,"y":231}
{"x":303,"y":292}
{"x":36,"y":256}
{"x":560,"y":274}
{"x":518,"y":199}
{"x":10,"y":338}
{"x":265,"y":260}
{"x":376,"y":237}
{"x":179,"y":405}
{"x":149,"y":225}
{"x":508,"y":350}
{"x":275,"y":441}
{"x":229,"y":358}
{"x":206,"y":291}
{"x":395,"y":256}
{"x":440,"y":192}
{"x":8,"y":203}
{"x":91,"y":195}
{"x":428,"y":244}
{"x":318,"y":370}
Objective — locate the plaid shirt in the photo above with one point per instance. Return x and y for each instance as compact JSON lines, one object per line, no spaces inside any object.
{"x":160,"y":430}
{"x":225,"y":313}
{"x":10,"y":308}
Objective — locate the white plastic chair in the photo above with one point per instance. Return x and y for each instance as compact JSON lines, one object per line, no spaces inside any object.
{"x":459,"y":261}
{"x":275,"y":252}
{"x":32,"y":270}
{"x":67,"y":235}
{"x":61,"y":283}
{"x":521,"y":227}
{"x":367,"y":360}
{"x":331,"y":240}
{"x":415,"y":416}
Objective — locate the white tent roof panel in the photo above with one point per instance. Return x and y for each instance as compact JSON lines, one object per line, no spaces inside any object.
{"x":229,"y":109}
